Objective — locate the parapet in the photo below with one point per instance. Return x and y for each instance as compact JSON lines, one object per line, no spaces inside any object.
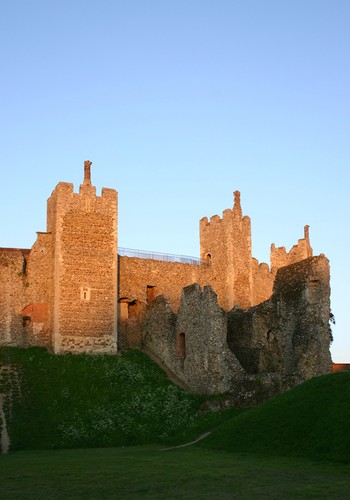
{"x":228,"y":214}
{"x":63,"y":187}
{"x":279,"y":257}
{"x":214,"y":219}
{"x":86,"y":188}
{"x":108,"y":192}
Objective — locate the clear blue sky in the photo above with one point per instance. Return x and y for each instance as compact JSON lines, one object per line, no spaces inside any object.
{"x":178,"y":103}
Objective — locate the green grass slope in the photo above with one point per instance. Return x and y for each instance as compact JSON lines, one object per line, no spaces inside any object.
{"x":312,"y":421}
{"x":73,"y":401}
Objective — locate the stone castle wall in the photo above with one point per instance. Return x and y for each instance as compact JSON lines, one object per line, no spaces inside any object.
{"x":13,"y":286}
{"x":144,"y":279}
{"x":226,"y":321}
{"x":193,"y":342}
{"x":289,"y":333}
{"x":266,"y":349}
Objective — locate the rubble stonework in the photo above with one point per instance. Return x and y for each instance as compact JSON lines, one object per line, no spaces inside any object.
{"x":267,"y":348}
{"x":223,"y":320}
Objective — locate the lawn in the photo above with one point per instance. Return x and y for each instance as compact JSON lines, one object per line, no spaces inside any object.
{"x":149,"y":472}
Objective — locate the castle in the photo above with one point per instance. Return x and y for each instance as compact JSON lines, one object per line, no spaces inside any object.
{"x":213,"y":321}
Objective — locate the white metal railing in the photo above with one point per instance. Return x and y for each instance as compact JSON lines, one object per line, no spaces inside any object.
{"x":142,"y":254}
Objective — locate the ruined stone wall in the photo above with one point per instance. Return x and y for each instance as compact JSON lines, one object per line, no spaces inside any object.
{"x":37,"y":313}
{"x":84,"y":228}
{"x":279,"y":257}
{"x":207,"y":362}
{"x":193,"y":343}
{"x":251,"y":354}
{"x":13,"y":286}
{"x":263,"y":279}
{"x":288,"y":334}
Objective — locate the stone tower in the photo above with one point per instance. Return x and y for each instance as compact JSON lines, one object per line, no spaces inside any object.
{"x":84,"y":267}
{"x":225,"y":243}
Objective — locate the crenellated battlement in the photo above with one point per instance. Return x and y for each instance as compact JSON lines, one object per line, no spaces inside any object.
{"x":279,"y":257}
{"x":227,"y":214}
{"x":214,"y":219}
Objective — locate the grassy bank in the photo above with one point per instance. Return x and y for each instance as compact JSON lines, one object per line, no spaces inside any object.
{"x":81,"y":401}
{"x":91,"y":401}
{"x":312,"y":420}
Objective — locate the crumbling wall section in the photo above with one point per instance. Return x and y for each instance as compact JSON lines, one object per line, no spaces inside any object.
{"x":13,"y":286}
{"x":263,"y":280}
{"x":279,"y":257}
{"x":301,"y":299}
{"x":207,"y":363}
{"x":288,"y":334}
{"x":193,"y":343}
{"x":251,"y":354}
{"x":37,"y":317}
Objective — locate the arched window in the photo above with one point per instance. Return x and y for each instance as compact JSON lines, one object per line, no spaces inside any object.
{"x":181,"y":345}
{"x":208,"y":259}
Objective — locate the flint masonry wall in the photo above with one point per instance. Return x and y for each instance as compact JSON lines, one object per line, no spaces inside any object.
{"x":84,"y":228}
{"x":13,"y":286}
{"x":193,"y":342}
{"x":144,"y":279}
{"x":288,"y":334}
{"x":141,"y":281}
{"x":250,"y":354}
{"x":37,"y":317}
{"x":263,"y":279}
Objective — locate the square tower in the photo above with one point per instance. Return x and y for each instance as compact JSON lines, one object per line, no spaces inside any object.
{"x":225,"y":244}
{"x":84,"y":267}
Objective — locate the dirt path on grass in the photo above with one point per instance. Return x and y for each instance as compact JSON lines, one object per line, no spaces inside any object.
{"x":202,"y":436}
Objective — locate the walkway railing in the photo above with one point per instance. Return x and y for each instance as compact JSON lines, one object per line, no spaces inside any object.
{"x":141,"y":254}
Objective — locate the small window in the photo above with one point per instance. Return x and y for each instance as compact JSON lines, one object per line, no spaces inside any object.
{"x":208,"y":259}
{"x":151,"y":293}
{"x":26,"y":320}
{"x":85,"y":293}
{"x":181,"y":345}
